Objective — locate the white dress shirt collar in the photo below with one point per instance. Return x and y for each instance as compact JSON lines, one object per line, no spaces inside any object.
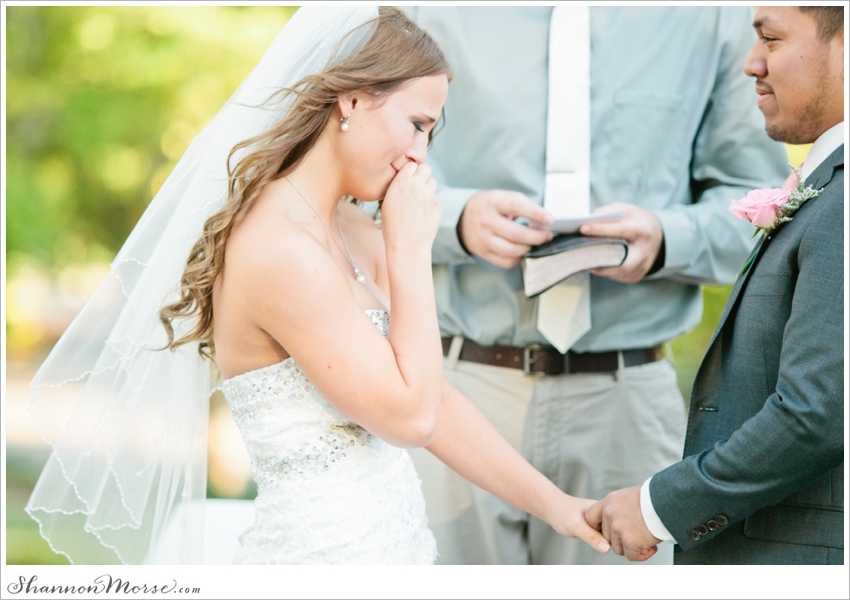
{"x":825,"y":145}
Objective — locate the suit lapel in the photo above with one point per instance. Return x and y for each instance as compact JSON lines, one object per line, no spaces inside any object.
{"x":819,"y":178}
{"x":736,"y":289}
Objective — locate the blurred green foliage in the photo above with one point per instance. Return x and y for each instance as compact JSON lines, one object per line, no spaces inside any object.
{"x":101,"y":102}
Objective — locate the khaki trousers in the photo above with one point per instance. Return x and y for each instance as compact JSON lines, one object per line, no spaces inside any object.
{"x":589,"y":433}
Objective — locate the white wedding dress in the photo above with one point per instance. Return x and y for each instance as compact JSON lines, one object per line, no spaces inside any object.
{"x":329,"y":492}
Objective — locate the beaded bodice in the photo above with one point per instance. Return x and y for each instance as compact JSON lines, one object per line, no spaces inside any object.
{"x":328,"y":490}
{"x":279,"y":398}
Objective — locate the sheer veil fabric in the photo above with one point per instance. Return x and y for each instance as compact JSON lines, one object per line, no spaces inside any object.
{"x":132,"y":458}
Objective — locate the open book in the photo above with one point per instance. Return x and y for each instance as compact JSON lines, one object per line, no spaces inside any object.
{"x":550,"y":263}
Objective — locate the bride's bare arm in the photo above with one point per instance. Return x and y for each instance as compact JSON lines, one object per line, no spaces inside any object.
{"x":411,"y":215}
{"x":468,"y":443}
{"x":390,"y":386}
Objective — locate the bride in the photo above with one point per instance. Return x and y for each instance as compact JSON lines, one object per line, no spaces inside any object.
{"x":322,"y":326}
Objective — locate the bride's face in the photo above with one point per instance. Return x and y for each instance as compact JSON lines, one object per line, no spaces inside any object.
{"x":386,"y":132}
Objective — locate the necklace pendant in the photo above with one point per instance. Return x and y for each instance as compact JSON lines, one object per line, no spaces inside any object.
{"x":359,"y":279}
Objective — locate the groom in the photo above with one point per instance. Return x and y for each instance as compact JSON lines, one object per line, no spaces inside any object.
{"x":763,"y":477}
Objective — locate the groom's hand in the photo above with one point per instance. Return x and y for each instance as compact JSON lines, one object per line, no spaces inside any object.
{"x":487,"y":227}
{"x":619,"y":518}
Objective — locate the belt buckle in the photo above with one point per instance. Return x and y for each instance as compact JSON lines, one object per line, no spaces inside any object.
{"x":527,"y":360}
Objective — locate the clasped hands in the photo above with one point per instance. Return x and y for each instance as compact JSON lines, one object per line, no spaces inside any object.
{"x":618,"y":517}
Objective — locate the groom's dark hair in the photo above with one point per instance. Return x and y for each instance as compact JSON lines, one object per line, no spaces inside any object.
{"x":829,"y":19}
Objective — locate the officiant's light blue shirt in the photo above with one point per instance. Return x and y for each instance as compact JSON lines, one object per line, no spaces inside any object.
{"x":674,"y":129}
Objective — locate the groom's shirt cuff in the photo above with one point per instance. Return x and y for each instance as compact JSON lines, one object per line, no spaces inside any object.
{"x":650,"y":517}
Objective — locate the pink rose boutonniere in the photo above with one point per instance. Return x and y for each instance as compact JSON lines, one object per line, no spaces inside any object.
{"x":767,"y":209}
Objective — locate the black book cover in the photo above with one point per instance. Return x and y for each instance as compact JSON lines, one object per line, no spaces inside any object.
{"x":566,"y":254}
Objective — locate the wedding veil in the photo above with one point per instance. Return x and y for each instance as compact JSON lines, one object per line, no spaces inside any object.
{"x":132,"y":458}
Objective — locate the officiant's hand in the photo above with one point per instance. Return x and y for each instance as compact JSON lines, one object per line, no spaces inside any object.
{"x":619,"y":518}
{"x":641,"y":229}
{"x":487,"y":227}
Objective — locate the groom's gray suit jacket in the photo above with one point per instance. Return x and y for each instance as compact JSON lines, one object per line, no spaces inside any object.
{"x":763,"y":477}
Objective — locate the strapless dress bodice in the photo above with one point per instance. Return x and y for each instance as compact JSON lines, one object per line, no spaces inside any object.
{"x":328,"y":491}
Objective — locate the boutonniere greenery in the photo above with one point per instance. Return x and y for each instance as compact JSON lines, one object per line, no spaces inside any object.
{"x":767,"y":209}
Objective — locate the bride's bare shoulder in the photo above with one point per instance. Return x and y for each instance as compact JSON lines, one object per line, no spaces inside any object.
{"x":270,"y":239}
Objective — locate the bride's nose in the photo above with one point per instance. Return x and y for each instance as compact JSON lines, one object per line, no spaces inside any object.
{"x":418,"y":151}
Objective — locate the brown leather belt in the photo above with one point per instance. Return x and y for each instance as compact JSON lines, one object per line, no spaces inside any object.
{"x":548,"y":361}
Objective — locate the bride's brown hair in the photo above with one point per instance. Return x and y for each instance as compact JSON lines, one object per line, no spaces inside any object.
{"x":397,"y":52}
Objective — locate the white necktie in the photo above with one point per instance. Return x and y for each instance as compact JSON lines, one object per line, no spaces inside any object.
{"x":563,"y":312}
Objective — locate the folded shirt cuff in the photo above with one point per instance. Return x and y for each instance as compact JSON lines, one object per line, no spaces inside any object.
{"x":679,"y":240}
{"x":650,"y":517}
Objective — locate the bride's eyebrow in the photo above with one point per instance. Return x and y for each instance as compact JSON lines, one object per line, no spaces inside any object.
{"x":425,"y":118}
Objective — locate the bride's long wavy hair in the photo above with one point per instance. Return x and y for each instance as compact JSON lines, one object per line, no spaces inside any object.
{"x":397,"y":52}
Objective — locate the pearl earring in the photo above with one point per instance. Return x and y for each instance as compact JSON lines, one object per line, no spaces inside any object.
{"x":343,"y":123}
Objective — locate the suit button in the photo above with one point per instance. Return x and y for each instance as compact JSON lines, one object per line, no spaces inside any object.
{"x":695,"y":536}
{"x":712,"y":525}
{"x":702,"y":530}
{"x":722,"y":520}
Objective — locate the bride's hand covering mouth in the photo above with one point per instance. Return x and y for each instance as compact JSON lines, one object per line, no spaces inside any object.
{"x":411,"y":211}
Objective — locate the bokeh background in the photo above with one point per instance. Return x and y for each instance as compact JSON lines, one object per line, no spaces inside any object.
{"x":101,"y":102}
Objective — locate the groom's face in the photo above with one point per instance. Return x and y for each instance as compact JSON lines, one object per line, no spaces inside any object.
{"x":799,"y":77}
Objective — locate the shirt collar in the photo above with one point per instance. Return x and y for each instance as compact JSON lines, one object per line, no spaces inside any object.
{"x":825,"y":145}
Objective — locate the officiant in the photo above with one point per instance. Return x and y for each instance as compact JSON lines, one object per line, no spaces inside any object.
{"x":566,"y":111}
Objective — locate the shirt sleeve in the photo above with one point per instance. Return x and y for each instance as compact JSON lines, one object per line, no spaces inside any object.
{"x":704,"y":242}
{"x":650,"y":517}
{"x":447,"y":247}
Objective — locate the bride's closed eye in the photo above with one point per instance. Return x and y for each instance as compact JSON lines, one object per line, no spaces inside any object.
{"x":418,"y":126}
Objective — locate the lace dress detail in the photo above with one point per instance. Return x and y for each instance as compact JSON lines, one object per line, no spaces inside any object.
{"x":328,"y":491}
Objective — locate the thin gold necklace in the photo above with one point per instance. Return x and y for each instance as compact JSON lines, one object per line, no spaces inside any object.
{"x":359,"y":278}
